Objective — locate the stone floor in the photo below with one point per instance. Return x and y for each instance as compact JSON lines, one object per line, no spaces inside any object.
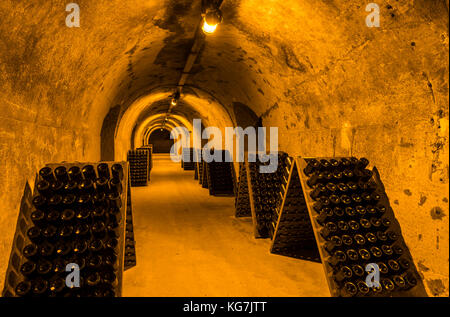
{"x":190,"y":244}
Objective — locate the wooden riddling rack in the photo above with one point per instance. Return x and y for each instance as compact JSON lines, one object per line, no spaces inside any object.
{"x":293,"y":234}
{"x":130,"y":243}
{"x":148,"y":148}
{"x":264,"y":195}
{"x":219,"y":176}
{"x":367,"y":213}
{"x":24,"y":223}
{"x":187,"y":159}
{"x":242,"y":199}
{"x":139,"y":163}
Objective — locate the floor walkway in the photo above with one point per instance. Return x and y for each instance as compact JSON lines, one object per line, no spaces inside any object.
{"x":190,"y":244}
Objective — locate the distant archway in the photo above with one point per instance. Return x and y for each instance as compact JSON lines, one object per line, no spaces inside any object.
{"x":161,"y":141}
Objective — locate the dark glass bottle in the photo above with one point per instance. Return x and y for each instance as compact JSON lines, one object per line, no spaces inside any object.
{"x":358,"y":270}
{"x":363,"y":289}
{"x":318,"y":191}
{"x":364,"y":254}
{"x":349,"y":290}
{"x":24,"y":289}
{"x":44,"y":268}
{"x":39,"y":287}
{"x":325,"y":213}
{"x":86,"y":186}
{"x":38,"y":218}
{"x":103,"y":170}
{"x":328,"y":229}
{"x":88,"y":172}
{"x":96,"y":245}
{"x":74,"y":174}
{"x":117,"y":171}
{"x":115,"y":186}
{"x":39,"y":202}
{"x":34,"y":234}
{"x":115,"y":201}
{"x":57,"y":286}
{"x":352,"y":255}
{"x":331,"y":245}
{"x":102,"y":185}
{"x":69,"y":201}
{"x":43,"y":188}
{"x":79,"y":247}
{"x":393,"y":265}
{"x":71,"y":187}
{"x":57,"y":187}
{"x":410,"y":280}
{"x":344,"y":273}
{"x":30,"y":251}
{"x":61,"y":174}
{"x":312,"y":166}
{"x":347,"y":240}
{"x":28,"y":269}
{"x":46,"y":173}
{"x":68,"y":217}
{"x":50,"y":233}
{"x":337,"y":258}
{"x":63,"y":248}
{"x":387,"y":284}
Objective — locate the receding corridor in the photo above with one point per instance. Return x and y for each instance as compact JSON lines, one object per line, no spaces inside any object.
{"x":190,"y":244}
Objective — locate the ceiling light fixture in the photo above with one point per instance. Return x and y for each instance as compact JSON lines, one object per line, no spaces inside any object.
{"x":175,"y":98}
{"x":211,"y":20}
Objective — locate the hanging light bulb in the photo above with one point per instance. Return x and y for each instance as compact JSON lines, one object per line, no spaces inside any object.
{"x":211,"y":20}
{"x":175,"y":98}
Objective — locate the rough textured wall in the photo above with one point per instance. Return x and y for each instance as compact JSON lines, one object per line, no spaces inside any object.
{"x":312,"y":68}
{"x":379,"y":93}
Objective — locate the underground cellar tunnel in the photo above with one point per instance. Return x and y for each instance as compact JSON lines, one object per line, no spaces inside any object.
{"x":106,"y":81}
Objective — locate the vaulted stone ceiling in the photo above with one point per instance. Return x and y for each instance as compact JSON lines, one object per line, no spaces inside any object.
{"x":311,"y":68}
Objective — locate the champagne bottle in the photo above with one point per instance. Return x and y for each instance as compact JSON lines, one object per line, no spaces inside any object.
{"x":88,"y":172}
{"x":103,"y":171}
{"x":46,"y":173}
{"x":387,"y":284}
{"x":352,"y":255}
{"x":330,"y":228}
{"x":61,"y":174}
{"x":349,"y":290}
{"x":312,"y":165}
{"x":364,"y":254}
{"x":43,"y":188}
{"x":24,"y":289}
{"x":117,"y":171}
{"x":347,"y":240}
{"x":362,"y":288}
{"x":337,"y":258}
{"x":50,"y":233}
{"x":371,"y":237}
{"x":74,"y":174}
{"x":334,"y":243}
{"x":344,"y":273}
{"x":30,"y":251}
{"x":57,"y":286}
{"x":44,"y":268}
{"x":28,"y":269}
{"x":338,"y":212}
{"x":393,"y":265}
{"x":39,"y":287}
{"x":34,"y":234}
{"x":358,"y":270}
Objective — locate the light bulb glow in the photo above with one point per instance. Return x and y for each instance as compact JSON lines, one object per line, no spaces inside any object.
{"x":174,"y":102}
{"x":209,"y":29}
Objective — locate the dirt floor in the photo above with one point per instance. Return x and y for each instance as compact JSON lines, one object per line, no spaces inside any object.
{"x":190,"y":244}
